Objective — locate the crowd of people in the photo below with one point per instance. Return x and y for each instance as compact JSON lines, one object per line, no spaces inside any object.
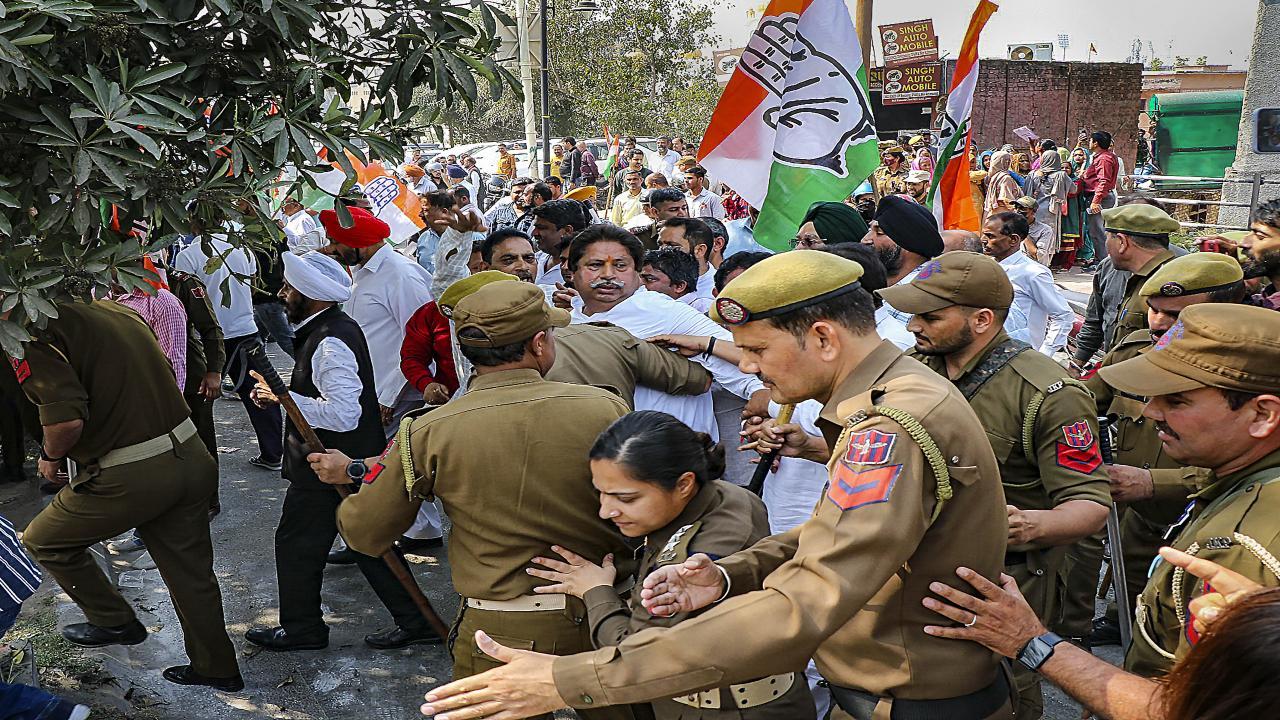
{"x":866,"y":463}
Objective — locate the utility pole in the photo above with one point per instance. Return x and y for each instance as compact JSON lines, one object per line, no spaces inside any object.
{"x":546,"y":81}
{"x":526,"y":81}
{"x":864,"y":33}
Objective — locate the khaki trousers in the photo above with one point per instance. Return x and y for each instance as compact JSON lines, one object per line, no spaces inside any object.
{"x":167,"y":499}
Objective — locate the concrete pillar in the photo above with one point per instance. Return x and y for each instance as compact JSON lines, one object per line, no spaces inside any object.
{"x":1260,"y":90}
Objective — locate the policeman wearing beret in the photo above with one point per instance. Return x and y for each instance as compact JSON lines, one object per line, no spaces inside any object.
{"x":1040,"y":422}
{"x":1137,"y":241}
{"x":913,"y":492}
{"x":524,"y":487}
{"x":1154,"y":485}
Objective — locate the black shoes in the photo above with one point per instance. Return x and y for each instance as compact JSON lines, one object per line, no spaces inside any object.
{"x":277,"y":639}
{"x":184,"y":675}
{"x":397,"y":638}
{"x":1105,"y":632}
{"x":90,"y":635}
{"x":345,"y":556}
{"x":416,"y":546}
{"x":266,"y":464}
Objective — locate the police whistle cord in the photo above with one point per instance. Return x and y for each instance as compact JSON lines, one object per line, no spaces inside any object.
{"x":768,"y":459}
{"x":1119,"y":580}
{"x":257,"y":354}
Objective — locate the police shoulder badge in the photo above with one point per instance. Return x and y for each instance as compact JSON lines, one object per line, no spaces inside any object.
{"x":1078,"y":450}
{"x":869,"y":447}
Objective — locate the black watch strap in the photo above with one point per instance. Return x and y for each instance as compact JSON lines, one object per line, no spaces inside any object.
{"x":45,"y":457}
{"x":1037,"y":652}
{"x":356,"y":470}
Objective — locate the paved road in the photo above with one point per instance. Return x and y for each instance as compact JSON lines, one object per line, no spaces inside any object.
{"x":347,"y":680}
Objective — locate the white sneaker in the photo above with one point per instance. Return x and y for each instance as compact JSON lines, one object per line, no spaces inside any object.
{"x":79,"y":713}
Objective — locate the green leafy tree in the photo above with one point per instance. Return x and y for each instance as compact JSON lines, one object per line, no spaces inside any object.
{"x":638,"y":65}
{"x":175,"y":111}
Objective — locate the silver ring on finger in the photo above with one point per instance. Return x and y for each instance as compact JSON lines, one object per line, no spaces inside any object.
{"x":972,"y":622}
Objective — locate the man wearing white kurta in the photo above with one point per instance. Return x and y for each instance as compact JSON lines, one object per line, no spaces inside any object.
{"x":388,"y":288}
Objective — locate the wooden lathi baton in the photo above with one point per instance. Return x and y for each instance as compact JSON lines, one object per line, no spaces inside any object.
{"x":768,"y":459}
{"x":257,"y":354}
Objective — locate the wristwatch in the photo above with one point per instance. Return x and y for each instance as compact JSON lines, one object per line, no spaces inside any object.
{"x":45,"y":457}
{"x":1038,"y":651}
{"x":356,"y":470}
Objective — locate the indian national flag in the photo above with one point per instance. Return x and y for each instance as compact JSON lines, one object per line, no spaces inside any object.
{"x":390,"y":199}
{"x":612,"y":141}
{"x":794,"y":124}
{"x":949,"y":195}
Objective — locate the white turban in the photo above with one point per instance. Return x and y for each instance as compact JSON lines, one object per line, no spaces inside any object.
{"x":317,"y":276}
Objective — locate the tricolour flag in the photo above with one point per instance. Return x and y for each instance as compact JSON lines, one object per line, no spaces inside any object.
{"x":949,"y":195}
{"x":390,"y":199}
{"x":612,"y":141}
{"x":794,"y":124}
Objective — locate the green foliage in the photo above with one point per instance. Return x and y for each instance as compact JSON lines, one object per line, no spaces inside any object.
{"x":638,"y":65}
{"x":174,"y":110}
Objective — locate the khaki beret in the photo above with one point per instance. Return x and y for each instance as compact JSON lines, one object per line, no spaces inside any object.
{"x":1233,"y":347}
{"x":785,"y":283}
{"x":504,"y":313}
{"x":467,"y":285}
{"x":954,"y":278}
{"x":1191,"y":274}
{"x":1139,"y":219}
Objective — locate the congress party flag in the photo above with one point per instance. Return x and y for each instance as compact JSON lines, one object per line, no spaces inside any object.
{"x":794,"y":124}
{"x":390,"y":199}
{"x":949,"y":195}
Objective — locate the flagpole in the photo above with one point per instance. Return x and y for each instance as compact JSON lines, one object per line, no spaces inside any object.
{"x":864,"y":32}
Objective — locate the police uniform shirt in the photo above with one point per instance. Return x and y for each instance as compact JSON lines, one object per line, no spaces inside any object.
{"x":80,"y":367}
{"x":610,"y":357}
{"x":1133,"y":308}
{"x":1233,"y":522}
{"x":836,"y":588}
{"x":509,"y":461}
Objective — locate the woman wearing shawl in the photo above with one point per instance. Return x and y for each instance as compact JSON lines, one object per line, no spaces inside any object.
{"x":1002,"y":188}
{"x":923,"y":161}
{"x":978,"y":179}
{"x":1050,"y":187}
{"x":1075,"y":246}
{"x":1021,"y":169}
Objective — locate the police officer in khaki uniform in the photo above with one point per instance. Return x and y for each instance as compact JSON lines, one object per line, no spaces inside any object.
{"x":1212,"y":380}
{"x":1137,"y":241}
{"x":510,"y":497}
{"x":887,"y":181}
{"x":1154,"y":485}
{"x":658,"y":482}
{"x":1040,"y":422}
{"x":601,"y":354}
{"x":137,"y":463}
{"x":914,"y":492}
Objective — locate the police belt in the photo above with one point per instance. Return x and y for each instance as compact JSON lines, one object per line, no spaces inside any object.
{"x":745,"y":695}
{"x":974,"y":706}
{"x":148,"y":449}
{"x":524,"y":603}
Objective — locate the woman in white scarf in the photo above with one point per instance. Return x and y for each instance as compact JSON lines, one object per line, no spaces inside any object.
{"x":1049,"y":186}
{"x":1002,"y":188}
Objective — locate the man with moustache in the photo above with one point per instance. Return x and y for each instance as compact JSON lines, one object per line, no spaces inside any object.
{"x":1262,"y":254}
{"x":333,"y":385}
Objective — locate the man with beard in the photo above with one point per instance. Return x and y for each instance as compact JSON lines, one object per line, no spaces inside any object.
{"x":507,"y":211}
{"x":333,"y":386}
{"x":918,"y":185}
{"x":1153,"y":486}
{"x":510,"y":251}
{"x":1262,"y":250}
{"x":387,"y":289}
{"x":904,"y":235}
{"x":1041,"y":424}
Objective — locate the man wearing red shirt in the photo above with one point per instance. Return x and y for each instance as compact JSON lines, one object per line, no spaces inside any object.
{"x":426,"y":343}
{"x":1099,"y":182}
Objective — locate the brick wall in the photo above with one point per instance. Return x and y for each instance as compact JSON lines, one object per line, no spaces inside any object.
{"x":1056,"y":99}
